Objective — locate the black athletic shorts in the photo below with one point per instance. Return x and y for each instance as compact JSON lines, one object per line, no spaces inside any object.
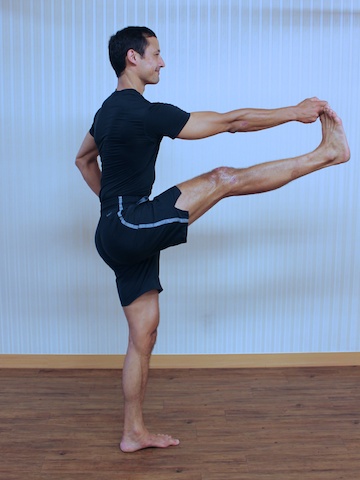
{"x":130,"y":235}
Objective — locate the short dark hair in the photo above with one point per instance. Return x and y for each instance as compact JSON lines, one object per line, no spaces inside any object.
{"x":128,"y":38}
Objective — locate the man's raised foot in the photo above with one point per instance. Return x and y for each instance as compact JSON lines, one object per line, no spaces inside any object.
{"x":334,"y":142}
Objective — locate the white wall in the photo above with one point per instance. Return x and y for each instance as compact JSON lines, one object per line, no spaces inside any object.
{"x":277,"y":272}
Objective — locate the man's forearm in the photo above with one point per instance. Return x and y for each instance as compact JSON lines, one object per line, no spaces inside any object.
{"x":92,"y":175}
{"x":254,"y":119}
{"x":87,"y":162}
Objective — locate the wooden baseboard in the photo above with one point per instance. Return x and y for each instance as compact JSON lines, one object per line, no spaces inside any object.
{"x":185,"y":361}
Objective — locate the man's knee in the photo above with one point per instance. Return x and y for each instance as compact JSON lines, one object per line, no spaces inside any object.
{"x":153,"y":337}
{"x":222,"y":176}
{"x":149,"y":343}
{"x":143,"y":340}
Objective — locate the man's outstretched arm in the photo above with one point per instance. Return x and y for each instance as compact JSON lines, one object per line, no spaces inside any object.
{"x":206,"y":124}
{"x":86,"y":161}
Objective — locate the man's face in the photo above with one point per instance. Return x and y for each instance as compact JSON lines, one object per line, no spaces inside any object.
{"x":151,"y":62}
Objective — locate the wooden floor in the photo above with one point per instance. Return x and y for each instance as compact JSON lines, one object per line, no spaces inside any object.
{"x":268,"y":424}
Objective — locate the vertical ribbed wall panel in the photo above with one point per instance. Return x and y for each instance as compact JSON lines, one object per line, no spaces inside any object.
{"x":277,"y":272}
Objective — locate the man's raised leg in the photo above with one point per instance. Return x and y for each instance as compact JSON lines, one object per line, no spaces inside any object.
{"x":143,"y":319}
{"x":201,"y":193}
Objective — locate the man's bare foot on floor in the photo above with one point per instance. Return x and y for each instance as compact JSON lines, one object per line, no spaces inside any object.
{"x":334,"y":138}
{"x":134,"y":443}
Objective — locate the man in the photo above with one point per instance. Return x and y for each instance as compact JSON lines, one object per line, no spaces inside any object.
{"x":126,"y":133}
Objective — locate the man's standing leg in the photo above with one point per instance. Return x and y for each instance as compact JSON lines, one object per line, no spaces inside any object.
{"x":143,"y":319}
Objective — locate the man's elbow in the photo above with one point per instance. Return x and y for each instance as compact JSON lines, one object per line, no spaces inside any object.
{"x":239,"y":126}
{"x":80,"y":162}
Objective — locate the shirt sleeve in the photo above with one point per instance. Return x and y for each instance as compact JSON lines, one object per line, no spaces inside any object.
{"x":165,"y":120}
{"x":91,"y":131}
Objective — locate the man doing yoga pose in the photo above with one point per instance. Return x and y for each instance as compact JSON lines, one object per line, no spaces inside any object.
{"x":132,"y":230}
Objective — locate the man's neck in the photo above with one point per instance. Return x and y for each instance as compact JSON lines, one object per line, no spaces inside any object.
{"x":126,"y":80}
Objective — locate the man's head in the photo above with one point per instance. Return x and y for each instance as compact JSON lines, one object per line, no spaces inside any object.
{"x":130,"y":38}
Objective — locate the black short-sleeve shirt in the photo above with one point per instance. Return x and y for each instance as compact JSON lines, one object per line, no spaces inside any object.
{"x":127,"y":130}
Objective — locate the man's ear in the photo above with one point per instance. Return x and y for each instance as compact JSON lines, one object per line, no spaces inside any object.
{"x":131,"y":56}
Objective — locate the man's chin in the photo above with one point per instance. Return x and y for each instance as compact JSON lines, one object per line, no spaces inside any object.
{"x":153,"y":80}
{"x":157,"y":78}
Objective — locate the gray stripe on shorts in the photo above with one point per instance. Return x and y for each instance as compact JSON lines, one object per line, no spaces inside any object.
{"x":166,"y":221}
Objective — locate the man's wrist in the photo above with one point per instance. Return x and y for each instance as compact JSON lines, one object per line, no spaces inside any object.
{"x":292,"y":114}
